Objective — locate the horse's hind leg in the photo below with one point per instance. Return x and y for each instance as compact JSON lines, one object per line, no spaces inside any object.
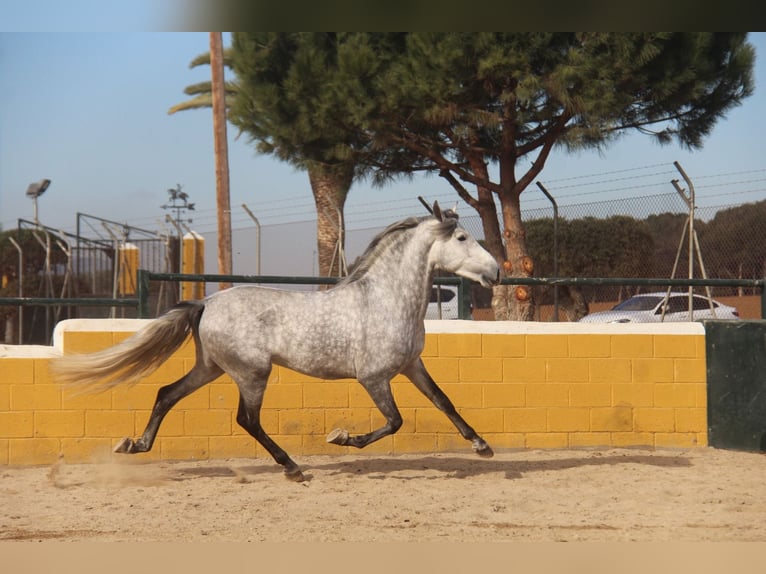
{"x":167,"y":397}
{"x":249,"y":418}
{"x":418,"y":374}
{"x":380,"y":392}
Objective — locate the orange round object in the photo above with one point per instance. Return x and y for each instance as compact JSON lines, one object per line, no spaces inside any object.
{"x":528,"y":265}
{"x":507,"y":266}
{"x":523,"y":293}
{"x":507,"y":233}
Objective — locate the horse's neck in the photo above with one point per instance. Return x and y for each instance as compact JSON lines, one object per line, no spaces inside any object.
{"x":405,"y":272}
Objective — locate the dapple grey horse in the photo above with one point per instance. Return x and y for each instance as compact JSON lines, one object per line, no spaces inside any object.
{"x":369,"y":327}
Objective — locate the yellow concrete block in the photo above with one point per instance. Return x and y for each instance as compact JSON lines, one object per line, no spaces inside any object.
{"x":17,"y":424}
{"x":199,"y":399}
{"x":610,"y":370}
{"x":614,"y":419}
{"x":452,"y":443}
{"x":431,"y":346}
{"x":33,"y":451}
{"x":57,"y":424}
{"x":70,"y":400}
{"x":183,"y":448}
{"x":652,"y":370}
{"x":354,"y":420}
{"x":87,"y":450}
{"x":431,"y":420}
{"x":459,"y":345}
{"x":86,"y":341}
{"x":135,"y":397}
{"x":570,"y":419}
{"x":525,"y":420}
{"x":524,"y":370}
{"x":43,"y":374}
{"x":5,"y":398}
{"x":675,"y":346}
{"x":505,"y":440}
{"x":674,"y":395}
{"x":634,"y":395}
{"x":547,"y":440}
{"x":691,"y":420}
{"x":590,"y":346}
{"x":301,"y":422}
{"x":481,"y":370}
{"x":632,"y":346}
{"x":224,"y":396}
{"x":4,"y":450}
{"x":589,"y":439}
{"x":187,"y":350}
{"x":627,"y":439}
{"x":484,"y":420}
{"x":567,"y":370}
{"x":359,"y":398}
{"x":214,"y":422}
{"x":269,"y":421}
{"x":654,"y":419}
{"x":283,"y":396}
{"x":689,"y":371}
{"x":503,"y":345}
{"x":17,"y":371}
{"x":675,"y":440}
{"x":172,"y":424}
{"x":590,"y":395}
{"x":35,"y":397}
{"x":443,"y":369}
{"x":547,"y":346}
{"x":700,"y":394}
{"x":547,"y":395}
{"x":109,"y":423}
{"x":412,"y":443}
{"x":231,"y":446}
{"x":503,"y":395}
{"x":325,"y":394}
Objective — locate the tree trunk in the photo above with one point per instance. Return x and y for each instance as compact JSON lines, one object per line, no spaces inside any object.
{"x":330,"y":185}
{"x":514,"y":302}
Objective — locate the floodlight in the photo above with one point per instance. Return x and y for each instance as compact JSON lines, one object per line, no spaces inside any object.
{"x":35,"y":190}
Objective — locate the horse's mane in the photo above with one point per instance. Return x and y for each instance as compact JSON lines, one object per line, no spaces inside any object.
{"x":383,"y":240}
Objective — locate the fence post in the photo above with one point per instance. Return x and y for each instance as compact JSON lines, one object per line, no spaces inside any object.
{"x":763,"y":298}
{"x":464,"y":299}
{"x":142,"y":281}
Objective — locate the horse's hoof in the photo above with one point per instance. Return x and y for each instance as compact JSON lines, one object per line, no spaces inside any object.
{"x":125,"y":446}
{"x":295,"y":475}
{"x":338,"y":436}
{"x":483,"y":450}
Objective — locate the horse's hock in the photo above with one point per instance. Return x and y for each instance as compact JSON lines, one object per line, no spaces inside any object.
{"x":520,"y":385}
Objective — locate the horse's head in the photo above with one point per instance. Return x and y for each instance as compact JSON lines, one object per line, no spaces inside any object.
{"x":456,"y":251}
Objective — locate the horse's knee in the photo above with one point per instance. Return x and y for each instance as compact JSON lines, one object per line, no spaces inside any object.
{"x":395,"y":423}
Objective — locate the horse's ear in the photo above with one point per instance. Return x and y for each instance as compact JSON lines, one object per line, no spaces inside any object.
{"x":437,"y":211}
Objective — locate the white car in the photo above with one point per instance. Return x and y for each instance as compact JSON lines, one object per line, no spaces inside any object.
{"x":647,"y":308}
{"x":443,"y":303}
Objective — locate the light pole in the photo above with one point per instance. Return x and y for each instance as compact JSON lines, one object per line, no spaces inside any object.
{"x":34,"y":191}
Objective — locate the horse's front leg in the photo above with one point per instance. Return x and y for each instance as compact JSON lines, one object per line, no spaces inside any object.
{"x":418,"y":374}
{"x":379,"y":390}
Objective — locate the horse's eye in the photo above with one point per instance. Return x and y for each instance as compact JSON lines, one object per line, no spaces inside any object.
{"x":461,"y":237}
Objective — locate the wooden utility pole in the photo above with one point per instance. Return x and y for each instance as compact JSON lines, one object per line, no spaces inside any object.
{"x":221,"y":158}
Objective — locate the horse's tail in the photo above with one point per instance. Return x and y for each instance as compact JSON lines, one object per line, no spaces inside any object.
{"x":135,"y":357}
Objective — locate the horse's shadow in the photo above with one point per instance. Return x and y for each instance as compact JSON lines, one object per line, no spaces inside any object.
{"x":431,"y":467}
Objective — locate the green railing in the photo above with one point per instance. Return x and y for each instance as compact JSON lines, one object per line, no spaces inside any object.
{"x":141,"y":302}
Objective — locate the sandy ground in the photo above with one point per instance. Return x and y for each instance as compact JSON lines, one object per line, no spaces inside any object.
{"x":569,"y":495}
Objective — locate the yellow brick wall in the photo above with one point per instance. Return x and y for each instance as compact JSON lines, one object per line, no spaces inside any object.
{"x":536,"y":387}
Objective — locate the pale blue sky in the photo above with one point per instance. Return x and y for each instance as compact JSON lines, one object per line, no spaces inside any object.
{"x":89,"y":112}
